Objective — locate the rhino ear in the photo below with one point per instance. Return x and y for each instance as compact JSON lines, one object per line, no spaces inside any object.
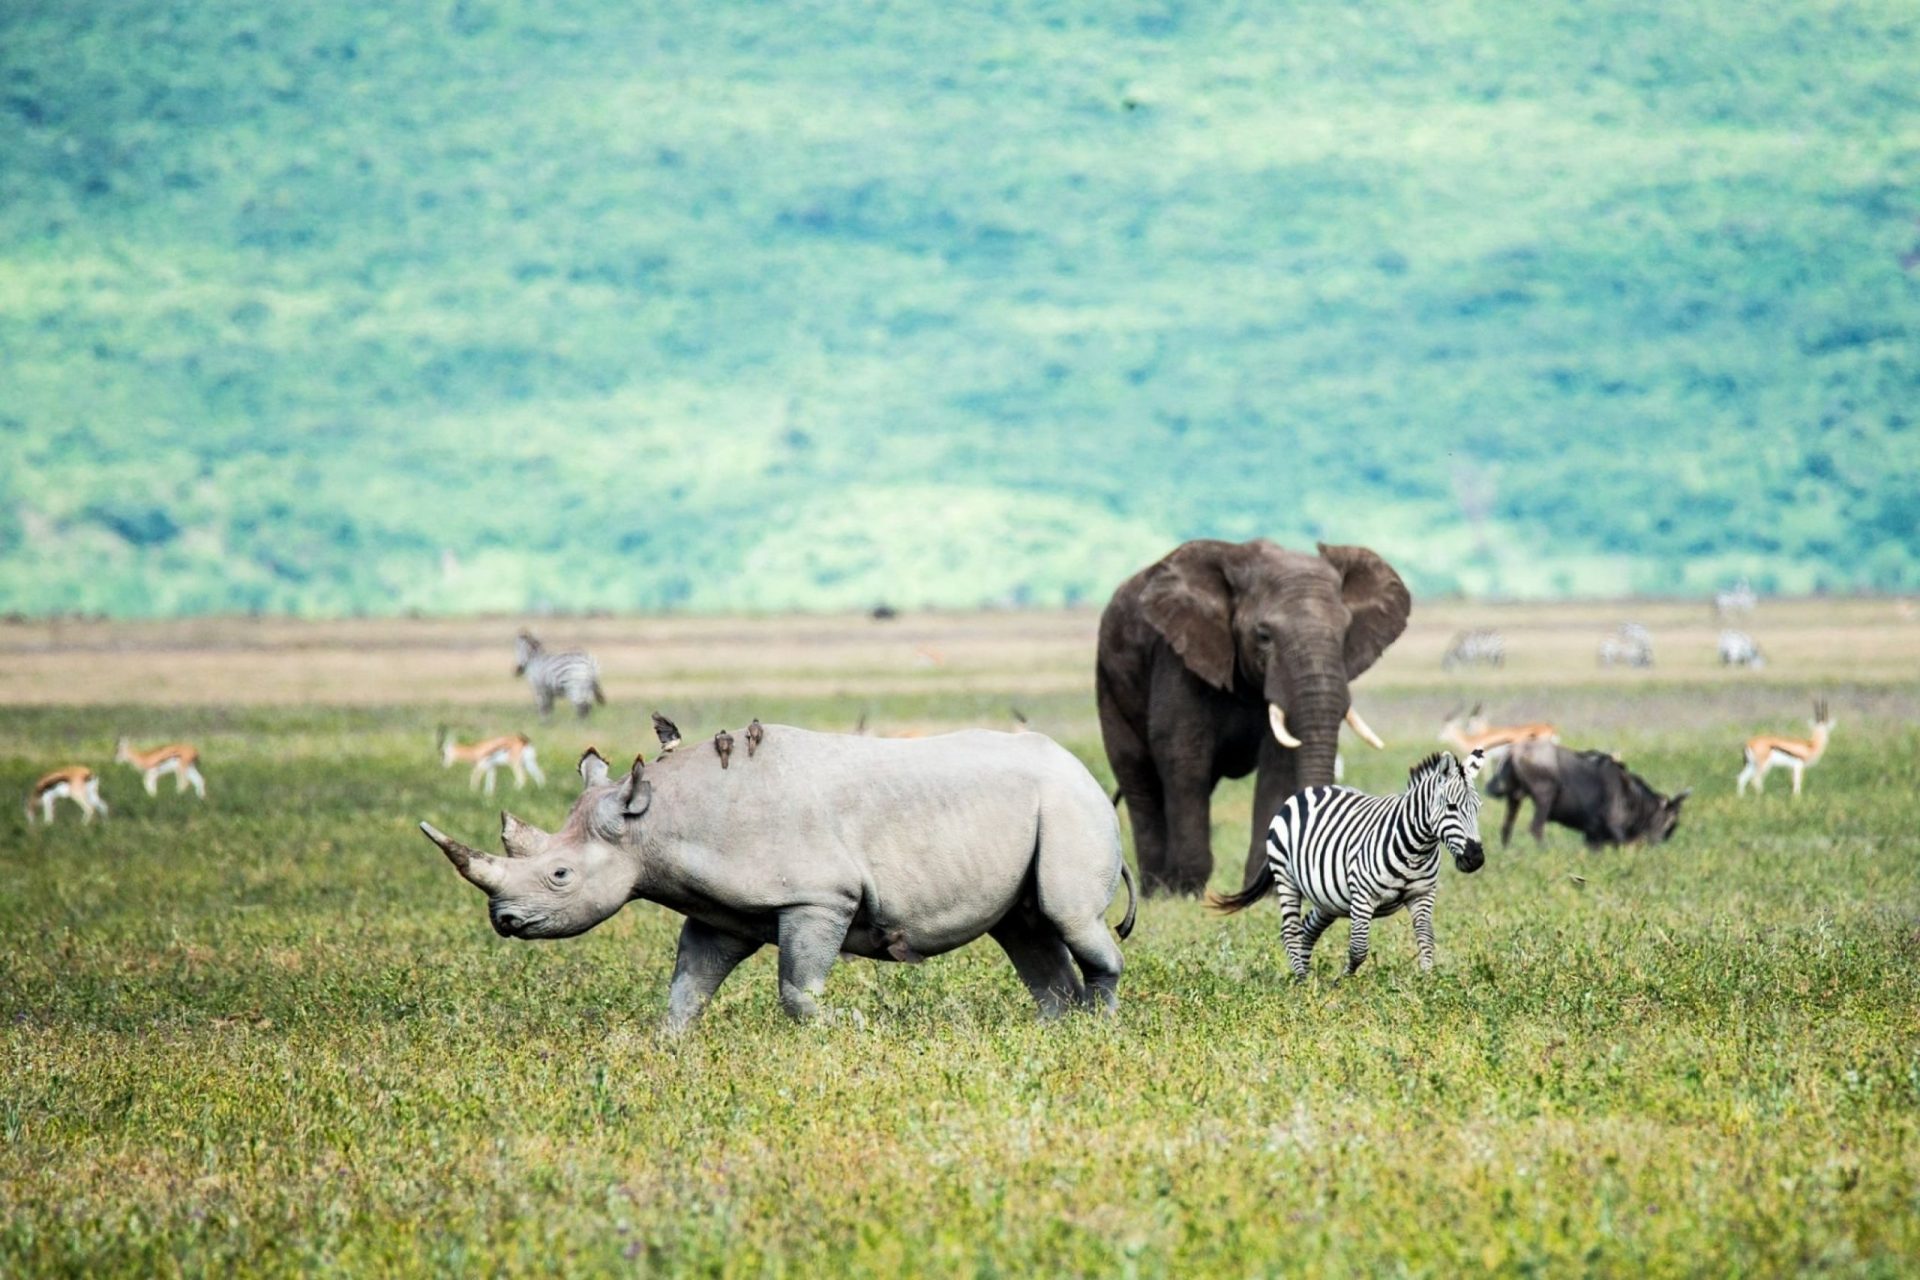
{"x":636,"y":794}
{"x":521,"y":839}
{"x":593,"y":768}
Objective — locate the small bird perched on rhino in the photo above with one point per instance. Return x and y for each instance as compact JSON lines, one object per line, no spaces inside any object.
{"x":667,"y":731}
{"x":756,"y":732}
{"x":723,"y":743}
{"x":885,"y":848}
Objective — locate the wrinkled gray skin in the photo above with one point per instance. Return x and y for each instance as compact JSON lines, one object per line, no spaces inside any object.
{"x":1195,"y":648}
{"x":823,"y":844}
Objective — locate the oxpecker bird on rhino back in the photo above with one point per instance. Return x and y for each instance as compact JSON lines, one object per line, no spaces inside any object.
{"x":831,"y":844}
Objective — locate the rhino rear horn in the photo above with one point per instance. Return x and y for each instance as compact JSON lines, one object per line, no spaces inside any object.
{"x":482,"y":870}
{"x":521,"y":839}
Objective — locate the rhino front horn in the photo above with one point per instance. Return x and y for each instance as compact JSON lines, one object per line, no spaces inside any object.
{"x":481,"y":870}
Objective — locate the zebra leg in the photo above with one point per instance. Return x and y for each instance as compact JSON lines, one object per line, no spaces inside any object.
{"x":1422,"y":909}
{"x":1291,"y":935}
{"x":546,"y":704}
{"x":1357,"y":943}
{"x":1317,"y":923}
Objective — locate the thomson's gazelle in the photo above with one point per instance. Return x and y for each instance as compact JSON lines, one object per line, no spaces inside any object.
{"x":1796,"y":754}
{"x":77,"y":783}
{"x":176,"y":758}
{"x":1471,"y":732}
{"x":513,"y":750}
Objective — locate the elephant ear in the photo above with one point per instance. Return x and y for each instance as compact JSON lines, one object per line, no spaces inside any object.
{"x":1187,"y":600}
{"x":1377,"y":599}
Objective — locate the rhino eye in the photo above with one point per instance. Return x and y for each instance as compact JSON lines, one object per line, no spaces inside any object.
{"x":560,"y":875}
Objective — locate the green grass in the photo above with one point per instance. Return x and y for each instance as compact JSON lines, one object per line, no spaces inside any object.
{"x":274,"y":1034}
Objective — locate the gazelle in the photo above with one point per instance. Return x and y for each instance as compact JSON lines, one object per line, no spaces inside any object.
{"x":512,"y":750}
{"x":176,"y":758}
{"x":77,"y":783}
{"x":1471,"y":732}
{"x":1796,"y":754}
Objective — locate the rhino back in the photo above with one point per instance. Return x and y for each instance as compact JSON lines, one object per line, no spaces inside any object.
{"x":934,"y":836}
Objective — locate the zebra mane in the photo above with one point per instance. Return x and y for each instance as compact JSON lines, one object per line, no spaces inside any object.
{"x":1435,"y":763}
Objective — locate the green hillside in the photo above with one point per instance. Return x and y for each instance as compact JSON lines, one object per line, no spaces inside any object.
{"x":331,"y":308}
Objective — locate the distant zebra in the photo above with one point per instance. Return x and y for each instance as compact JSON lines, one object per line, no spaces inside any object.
{"x":1737,"y":649}
{"x":1361,"y":856}
{"x":1631,"y":646}
{"x":1483,"y":647}
{"x":1737,"y":600}
{"x":567,"y":673}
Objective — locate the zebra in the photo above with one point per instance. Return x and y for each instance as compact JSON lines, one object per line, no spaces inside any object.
{"x":1476,"y":648}
{"x":1362,"y":856}
{"x":569,"y":673}
{"x":1737,"y":649}
{"x":1631,"y":646}
{"x":1739,"y":599}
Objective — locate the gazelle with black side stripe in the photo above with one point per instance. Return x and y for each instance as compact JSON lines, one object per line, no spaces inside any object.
{"x":177,"y":758}
{"x":77,"y":783}
{"x":1350,"y":854}
{"x":1796,"y":755}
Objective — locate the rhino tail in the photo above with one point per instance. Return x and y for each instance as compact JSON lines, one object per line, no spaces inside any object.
{"x":1125,"y":926}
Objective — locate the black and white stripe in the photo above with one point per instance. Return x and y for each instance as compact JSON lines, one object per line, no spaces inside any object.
{"x":1484,"y":647}
{"x":1738,"y":649}
{"x":1351,"y":854}
{"x":572,"y":674}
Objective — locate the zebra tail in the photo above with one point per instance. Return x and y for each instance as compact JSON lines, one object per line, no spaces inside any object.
{"x":1115,"y":797}
{"x":1257,"y":888}
{"x":598,"y":696}
{"x":1125,"y":926}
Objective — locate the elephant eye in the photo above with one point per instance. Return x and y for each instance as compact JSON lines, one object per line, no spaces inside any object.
{"x":1263,"y":634}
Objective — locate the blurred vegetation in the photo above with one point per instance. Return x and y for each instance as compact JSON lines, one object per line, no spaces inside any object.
{"x":490,"y":305}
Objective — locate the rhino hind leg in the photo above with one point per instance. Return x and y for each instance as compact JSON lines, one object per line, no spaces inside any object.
{"x":1041,"y":958}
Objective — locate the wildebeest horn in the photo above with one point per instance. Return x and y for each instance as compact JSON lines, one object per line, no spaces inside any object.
{"x":1367,"y":735}
{"x":1277,"y":721}
{"x":521,"y":839}
{"x":481,"y":870}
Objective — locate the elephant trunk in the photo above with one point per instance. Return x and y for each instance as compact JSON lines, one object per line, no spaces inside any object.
{"x":1314,"y":706}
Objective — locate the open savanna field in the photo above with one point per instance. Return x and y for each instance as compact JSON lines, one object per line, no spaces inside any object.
{"x":273,"y":1032}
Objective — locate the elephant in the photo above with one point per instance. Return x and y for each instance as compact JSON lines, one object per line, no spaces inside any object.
{"x":1222,"y":657}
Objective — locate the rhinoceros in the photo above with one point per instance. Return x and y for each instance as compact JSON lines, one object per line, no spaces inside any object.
{"x":829,"y":844}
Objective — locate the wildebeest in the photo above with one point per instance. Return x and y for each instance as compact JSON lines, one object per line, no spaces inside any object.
{"x":1591,"y":791}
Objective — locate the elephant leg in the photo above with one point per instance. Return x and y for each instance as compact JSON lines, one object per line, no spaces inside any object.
{"x":1270,"y":791}
{"x":1043,"y":962}
{"x":1189,"y":811}
{"x":1140,"y":786}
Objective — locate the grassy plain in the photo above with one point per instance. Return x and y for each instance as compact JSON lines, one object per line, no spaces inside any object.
{"x":273,"y":1033}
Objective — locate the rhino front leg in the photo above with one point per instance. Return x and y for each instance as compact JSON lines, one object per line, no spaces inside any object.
{"x":705,"y":958}
{"x":810,"y":939}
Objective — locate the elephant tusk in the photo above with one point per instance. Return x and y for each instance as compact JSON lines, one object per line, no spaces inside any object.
{"x":1371,"y":738}
{"x":1277,"y":721}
